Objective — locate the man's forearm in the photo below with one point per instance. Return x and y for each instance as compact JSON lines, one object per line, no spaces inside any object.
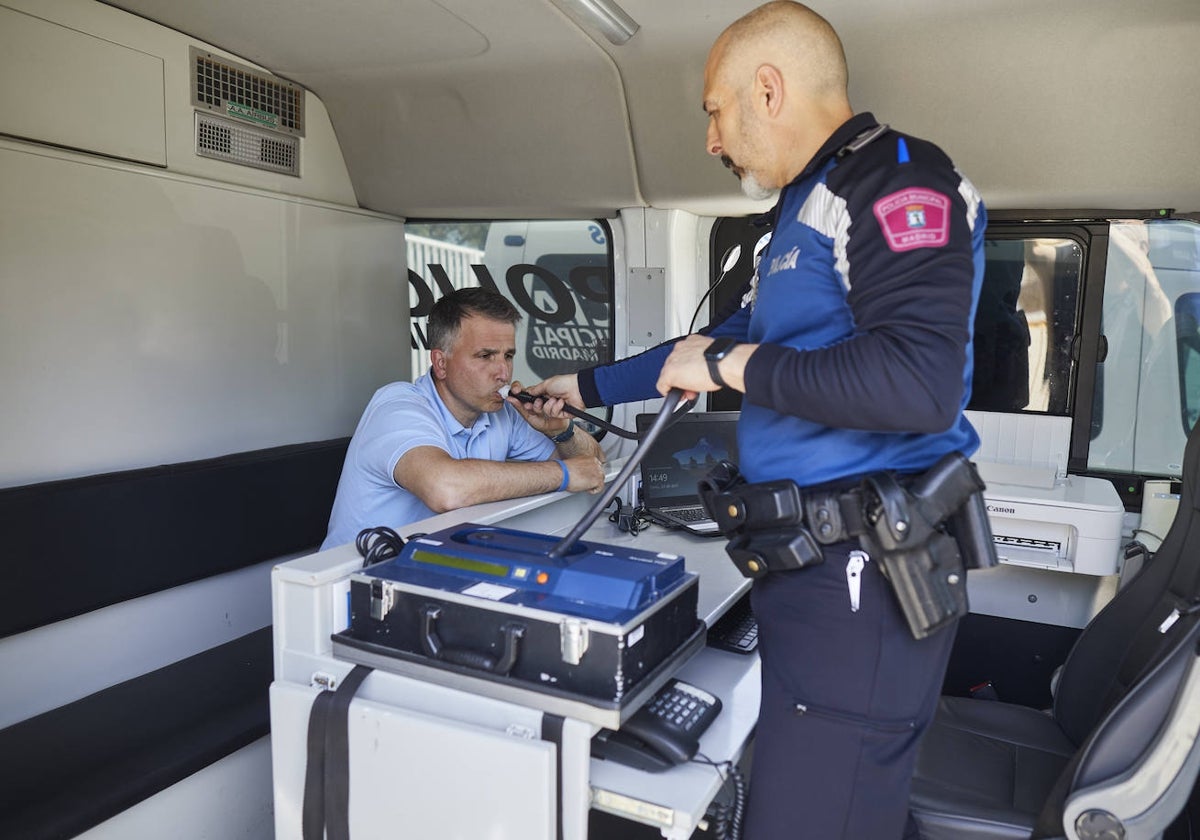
{"x":471,"y":481}
{"x":580,"y":443}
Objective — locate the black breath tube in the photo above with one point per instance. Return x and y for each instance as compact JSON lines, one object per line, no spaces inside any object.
{"x":527,"y":397}
{"x":666,"y":416}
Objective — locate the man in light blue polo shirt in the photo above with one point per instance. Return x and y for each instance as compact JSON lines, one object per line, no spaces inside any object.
{"x":450,"y":439}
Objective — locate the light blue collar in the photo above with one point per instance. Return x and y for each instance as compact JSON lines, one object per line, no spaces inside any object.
{"x":449,"y":421}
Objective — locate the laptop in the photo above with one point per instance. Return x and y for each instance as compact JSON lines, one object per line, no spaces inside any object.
{"x":683,"y":454}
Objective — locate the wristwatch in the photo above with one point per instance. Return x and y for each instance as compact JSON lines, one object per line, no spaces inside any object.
{"x":714,"y":353}
{"x":566,"y":434}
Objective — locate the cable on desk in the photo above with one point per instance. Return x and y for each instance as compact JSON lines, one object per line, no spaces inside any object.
{"x":725,"y":818}
{"x":628,"y":518}
{"x":378,"y":544}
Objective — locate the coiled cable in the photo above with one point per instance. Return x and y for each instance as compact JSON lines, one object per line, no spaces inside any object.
{"x":378,"y":544}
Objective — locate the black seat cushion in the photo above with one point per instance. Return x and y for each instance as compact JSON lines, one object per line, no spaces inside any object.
{"x":985,"y":769}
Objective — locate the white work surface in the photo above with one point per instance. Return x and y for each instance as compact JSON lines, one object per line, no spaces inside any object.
{"x":432,"y":760}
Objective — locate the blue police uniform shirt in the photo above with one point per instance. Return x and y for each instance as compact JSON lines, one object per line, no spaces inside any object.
{"x":400,"y":417}
{"x":863,"y":308}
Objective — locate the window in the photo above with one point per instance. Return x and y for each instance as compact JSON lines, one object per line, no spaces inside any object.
{"x":1025,"y":324}
{"x":557,"y":273}
{"x":1132,"y":412}
{"x":1187,"y":344}
{"x":1147,"y":395}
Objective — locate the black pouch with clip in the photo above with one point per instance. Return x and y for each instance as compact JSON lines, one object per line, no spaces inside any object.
{"x":716,"y":494}
{"x":764,"y":521}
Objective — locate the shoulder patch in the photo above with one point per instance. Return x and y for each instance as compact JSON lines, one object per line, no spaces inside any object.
{"x":914,"y":217}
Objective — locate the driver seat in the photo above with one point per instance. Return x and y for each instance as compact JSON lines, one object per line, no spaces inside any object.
{"x":1117,"y":755}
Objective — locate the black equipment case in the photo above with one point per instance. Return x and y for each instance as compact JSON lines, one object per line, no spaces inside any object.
{"x":590,"y":633}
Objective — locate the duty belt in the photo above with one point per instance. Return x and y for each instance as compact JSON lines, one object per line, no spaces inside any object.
{"x":833,"y":516}
{"x":923,"y":529}
{"x":830,"y":514}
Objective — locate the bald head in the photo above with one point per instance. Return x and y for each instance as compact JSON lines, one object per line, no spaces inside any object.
{"x":795,"y":39}
{"x":775,"y":90}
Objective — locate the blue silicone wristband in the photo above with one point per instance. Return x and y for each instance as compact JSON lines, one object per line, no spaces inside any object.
{"x":566,"y":477}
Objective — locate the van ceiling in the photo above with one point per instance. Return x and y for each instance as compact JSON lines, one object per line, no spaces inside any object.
{"x":509,"y":108}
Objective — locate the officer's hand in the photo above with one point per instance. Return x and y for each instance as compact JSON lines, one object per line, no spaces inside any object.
{"x":565,"y":387}
{"x":686,"y":368}
{"x":586,"y":474}
{"x":544,"y":413}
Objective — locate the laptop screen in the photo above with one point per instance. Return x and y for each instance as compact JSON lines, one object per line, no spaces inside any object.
{"x":684,"y":453}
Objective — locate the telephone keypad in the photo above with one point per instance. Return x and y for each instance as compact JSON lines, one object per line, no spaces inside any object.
{"x":683,"y":706}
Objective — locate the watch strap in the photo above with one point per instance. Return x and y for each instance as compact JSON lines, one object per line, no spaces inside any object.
{"x":714,"y":371}
{"x":566,"y":434}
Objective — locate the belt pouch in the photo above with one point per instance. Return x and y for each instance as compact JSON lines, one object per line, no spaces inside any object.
{"x":779,"y":550}
{"x":764,"y":521}
{"x":756,"y":507}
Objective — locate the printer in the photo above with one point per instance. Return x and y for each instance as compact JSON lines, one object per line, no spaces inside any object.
{"x":1072,"y":526}
{"x":1040,"y":515}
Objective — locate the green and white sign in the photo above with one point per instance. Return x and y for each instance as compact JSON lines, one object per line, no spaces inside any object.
{"x":245,"y":112}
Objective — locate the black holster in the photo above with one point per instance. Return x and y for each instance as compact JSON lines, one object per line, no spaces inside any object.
{"x":925,"y":535}
{"x":764,"y":522}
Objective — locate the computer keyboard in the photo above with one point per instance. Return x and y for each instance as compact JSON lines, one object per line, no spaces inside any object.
{"x":696,"y":514}
{"x":692,"y":520}
{"x":737,"y":630}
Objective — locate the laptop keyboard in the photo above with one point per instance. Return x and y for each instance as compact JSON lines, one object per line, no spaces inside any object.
{"x":696,"y":514}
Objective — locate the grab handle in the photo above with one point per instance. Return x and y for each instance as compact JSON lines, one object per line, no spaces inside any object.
{"x":435,"y":649}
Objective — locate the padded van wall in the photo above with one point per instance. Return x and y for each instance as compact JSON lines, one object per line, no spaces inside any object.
{"x":78,"y":545}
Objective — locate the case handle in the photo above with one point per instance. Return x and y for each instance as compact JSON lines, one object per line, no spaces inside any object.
{"x":435,"y":649}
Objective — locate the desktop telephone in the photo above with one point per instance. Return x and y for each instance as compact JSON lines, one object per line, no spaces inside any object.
{"x":663,"y":733}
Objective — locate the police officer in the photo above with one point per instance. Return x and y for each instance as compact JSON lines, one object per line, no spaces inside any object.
{"x":853,"y":351}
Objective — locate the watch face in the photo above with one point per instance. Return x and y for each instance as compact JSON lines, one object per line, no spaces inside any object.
{"x":719,"y":348}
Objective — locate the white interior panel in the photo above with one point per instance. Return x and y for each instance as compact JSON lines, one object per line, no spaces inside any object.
{"x":114,"y":90}
{"x":1038,"y":595}
{"x":69,"y":88}
{"x":148,"y":319}
{"x":418,"y":775}
{"x":473,"y":108}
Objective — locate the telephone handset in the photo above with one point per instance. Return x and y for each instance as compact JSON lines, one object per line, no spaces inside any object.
{"x":663,"y":733}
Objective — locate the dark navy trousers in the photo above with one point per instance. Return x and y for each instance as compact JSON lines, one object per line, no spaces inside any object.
{"x":846,"y":697}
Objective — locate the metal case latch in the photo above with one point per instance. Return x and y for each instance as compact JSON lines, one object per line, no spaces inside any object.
{"x":573,"y":638}
{"x":381,"y":599}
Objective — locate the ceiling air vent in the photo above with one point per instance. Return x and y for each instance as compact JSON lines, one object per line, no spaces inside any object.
{"x":242,"y":93}
{"x":231,"y":141}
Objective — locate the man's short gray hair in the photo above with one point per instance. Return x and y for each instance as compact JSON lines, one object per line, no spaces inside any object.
{"x":446,"y":316}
